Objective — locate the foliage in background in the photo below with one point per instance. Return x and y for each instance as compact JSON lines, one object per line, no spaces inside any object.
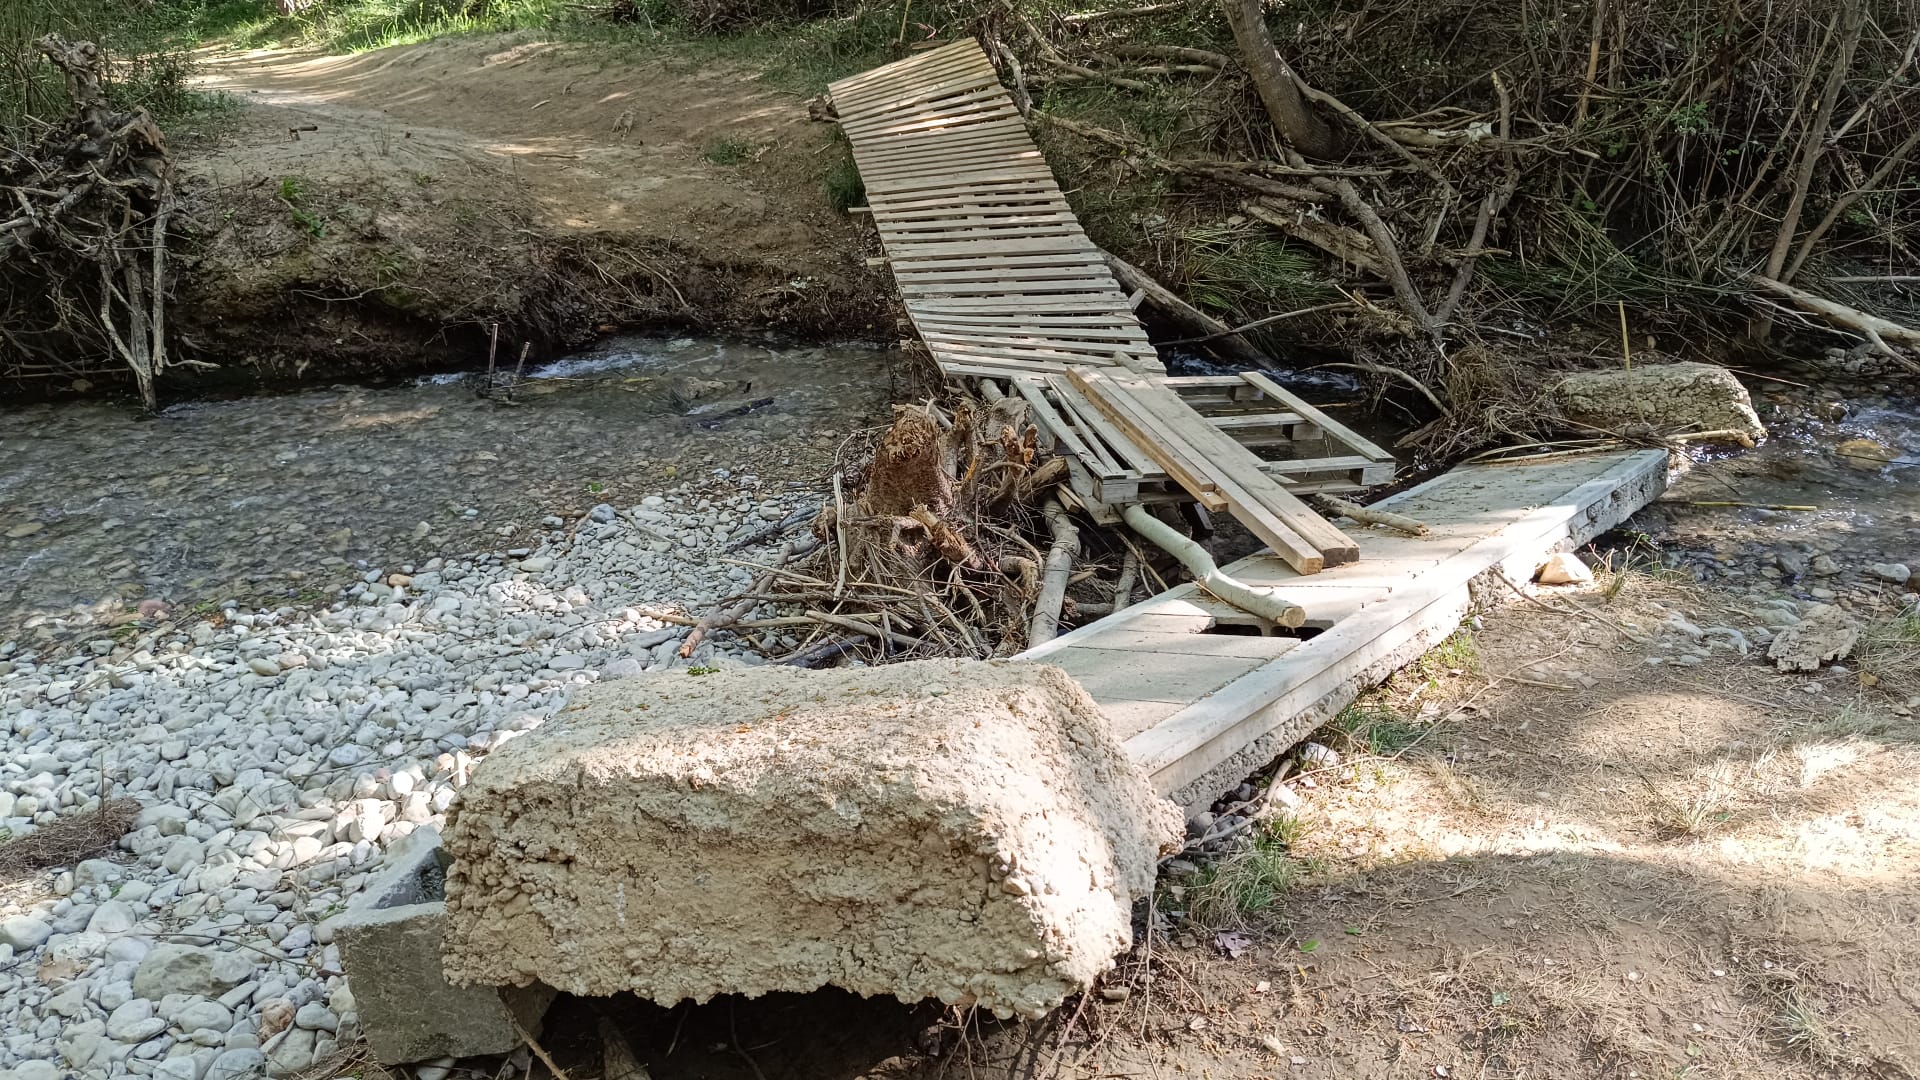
{"x":147,"y":68}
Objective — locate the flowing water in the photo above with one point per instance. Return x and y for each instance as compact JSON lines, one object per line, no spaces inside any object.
{"x":280,"y":499}
{"x":1848,"y":455}
{"x":271,"y":500}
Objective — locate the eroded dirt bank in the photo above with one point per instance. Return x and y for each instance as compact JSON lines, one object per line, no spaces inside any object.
{"x":380,"y":211}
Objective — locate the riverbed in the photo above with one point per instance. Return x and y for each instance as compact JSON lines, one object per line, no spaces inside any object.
{"x":265,"y":501}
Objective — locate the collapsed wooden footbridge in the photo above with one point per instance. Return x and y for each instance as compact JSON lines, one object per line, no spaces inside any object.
{"x":1002,"y":284}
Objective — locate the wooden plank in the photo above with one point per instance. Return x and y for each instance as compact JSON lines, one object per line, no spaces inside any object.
{"x":1166,"y":449}
{"x":1198,"y":643}
{"x":978,"y":141}
{"x":1263,"y":503}
{"x":1355,"y":441}
{"x":1127,"y":717}
{"x":1205,"y":734}
{"x":987,"y":172}
{"x":894,"y":93}
{"x":1002,"y":206}
{"x":1238,"y":422}
{"x":947,"y":248}
{"x":1144,"y":676}
{"x":1063,"y":407}
{"x":1125,"y":450}
{"x":1070,"y":323}
{"x":1051,"y":421}
{"x":996,"y":369}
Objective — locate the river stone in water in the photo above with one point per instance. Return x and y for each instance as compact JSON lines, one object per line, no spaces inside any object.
{"x":1669,"y":397}
{"x":971,"y":831}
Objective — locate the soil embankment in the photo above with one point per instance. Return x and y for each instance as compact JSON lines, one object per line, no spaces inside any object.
{"x":380,"y":211}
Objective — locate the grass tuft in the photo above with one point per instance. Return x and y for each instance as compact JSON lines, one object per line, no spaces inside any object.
{"x":729,"y":151}
{"x":845,"y":189}
{"x":1376,"y":729}
{"x":1251,"y":881}
{"x":68,"y":839}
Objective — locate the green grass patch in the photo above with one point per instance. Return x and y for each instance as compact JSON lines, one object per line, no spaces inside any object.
{"x":1459,"y":654}
{"x":1379,"y":730}
{"x":845,"y":189}
{"x":1250,"y":882}
{"x":729,"y":151}
{"x":1249,"y":270}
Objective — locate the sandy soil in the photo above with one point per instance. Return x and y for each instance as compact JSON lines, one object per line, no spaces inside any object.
{"x":382,"y":209}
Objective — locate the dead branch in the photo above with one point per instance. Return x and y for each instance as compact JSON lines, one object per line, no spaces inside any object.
{"x":1882,"y":333}
{"x":1348,"y":245}
{"x":1396,"y":373}
{"x":1230,"y":343}
{"x":1258,"y":323}
{"x":1088,"y":18}
{"x":1814,"y":143}
{"x":1367,"y":515}
{"x":1389,"y":250}
{"x":1097,"y":76}
{"x":1845,"y":202}
{"x":1490,"y":207}
{"x":1176,"y":53}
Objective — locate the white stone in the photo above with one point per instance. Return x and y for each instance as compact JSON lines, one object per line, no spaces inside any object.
{"x":24,"y":932}
{"x":1564,"y":568}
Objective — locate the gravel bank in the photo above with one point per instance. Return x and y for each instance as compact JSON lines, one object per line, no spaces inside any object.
{"x":277,"y":753}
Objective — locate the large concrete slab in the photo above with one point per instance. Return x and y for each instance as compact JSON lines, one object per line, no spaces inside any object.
{"x":1375,"y":616}
{"x":970,"y":831}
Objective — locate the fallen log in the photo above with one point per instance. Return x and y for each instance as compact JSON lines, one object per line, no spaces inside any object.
{"x":1883,"y":334}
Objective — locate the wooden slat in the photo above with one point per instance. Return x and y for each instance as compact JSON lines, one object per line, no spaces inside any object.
{"x":1360,"y":444}
{"x":1034,"y":393}
{"x":1163,"y":446}
{"x":1239,"y":464}
{"x":1125,"y":449}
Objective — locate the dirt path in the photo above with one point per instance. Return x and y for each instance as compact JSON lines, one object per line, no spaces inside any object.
{"x":397,"y":201}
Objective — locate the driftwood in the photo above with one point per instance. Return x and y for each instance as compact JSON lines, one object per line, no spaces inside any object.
{"x":85,"y":258}
{"x":923,"y":547}
{"x":1258,"y":600}
{"x":1367,"y":515}
{"x":1053,"y":581}
{"x":1883,"y":334}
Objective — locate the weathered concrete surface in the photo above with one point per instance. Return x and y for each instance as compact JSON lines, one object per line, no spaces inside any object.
{"x":1686,"y":396}
{"x":390,"y":944}
{"x":961,"y":830}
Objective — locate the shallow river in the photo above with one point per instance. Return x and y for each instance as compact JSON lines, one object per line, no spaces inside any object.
{"x":271,"y":500}
{"x":1851,"y":454}
{"x":280,"y":499}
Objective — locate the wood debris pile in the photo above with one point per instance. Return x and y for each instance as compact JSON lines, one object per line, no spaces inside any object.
{"x":83,"y":259}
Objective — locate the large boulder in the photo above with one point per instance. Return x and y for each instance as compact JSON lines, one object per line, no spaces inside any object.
{"x":1661,"y":398}
{"x":966,"y":831}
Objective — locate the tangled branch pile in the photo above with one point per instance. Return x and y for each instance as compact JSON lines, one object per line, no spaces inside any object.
{"x":83,"y":261}
{"x":1429,"y":184}
{"x":923,"y":549}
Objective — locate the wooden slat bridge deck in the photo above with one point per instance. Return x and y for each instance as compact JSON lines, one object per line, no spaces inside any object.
{"x":1203,"y":694}
{"x":1001,"y":282}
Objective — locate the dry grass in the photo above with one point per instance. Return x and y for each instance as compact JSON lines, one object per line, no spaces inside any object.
{"x":354,"y":1059}
{"x":69,"y":839}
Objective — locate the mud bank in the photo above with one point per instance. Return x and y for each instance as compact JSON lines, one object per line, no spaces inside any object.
{"x":381,"y":213}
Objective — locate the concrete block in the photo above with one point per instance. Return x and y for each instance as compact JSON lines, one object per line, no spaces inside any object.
{"x":968,"y":831}
{"x":390,"y":943}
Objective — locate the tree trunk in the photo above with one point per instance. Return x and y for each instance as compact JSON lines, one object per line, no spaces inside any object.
{"x":1274,"y":79}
